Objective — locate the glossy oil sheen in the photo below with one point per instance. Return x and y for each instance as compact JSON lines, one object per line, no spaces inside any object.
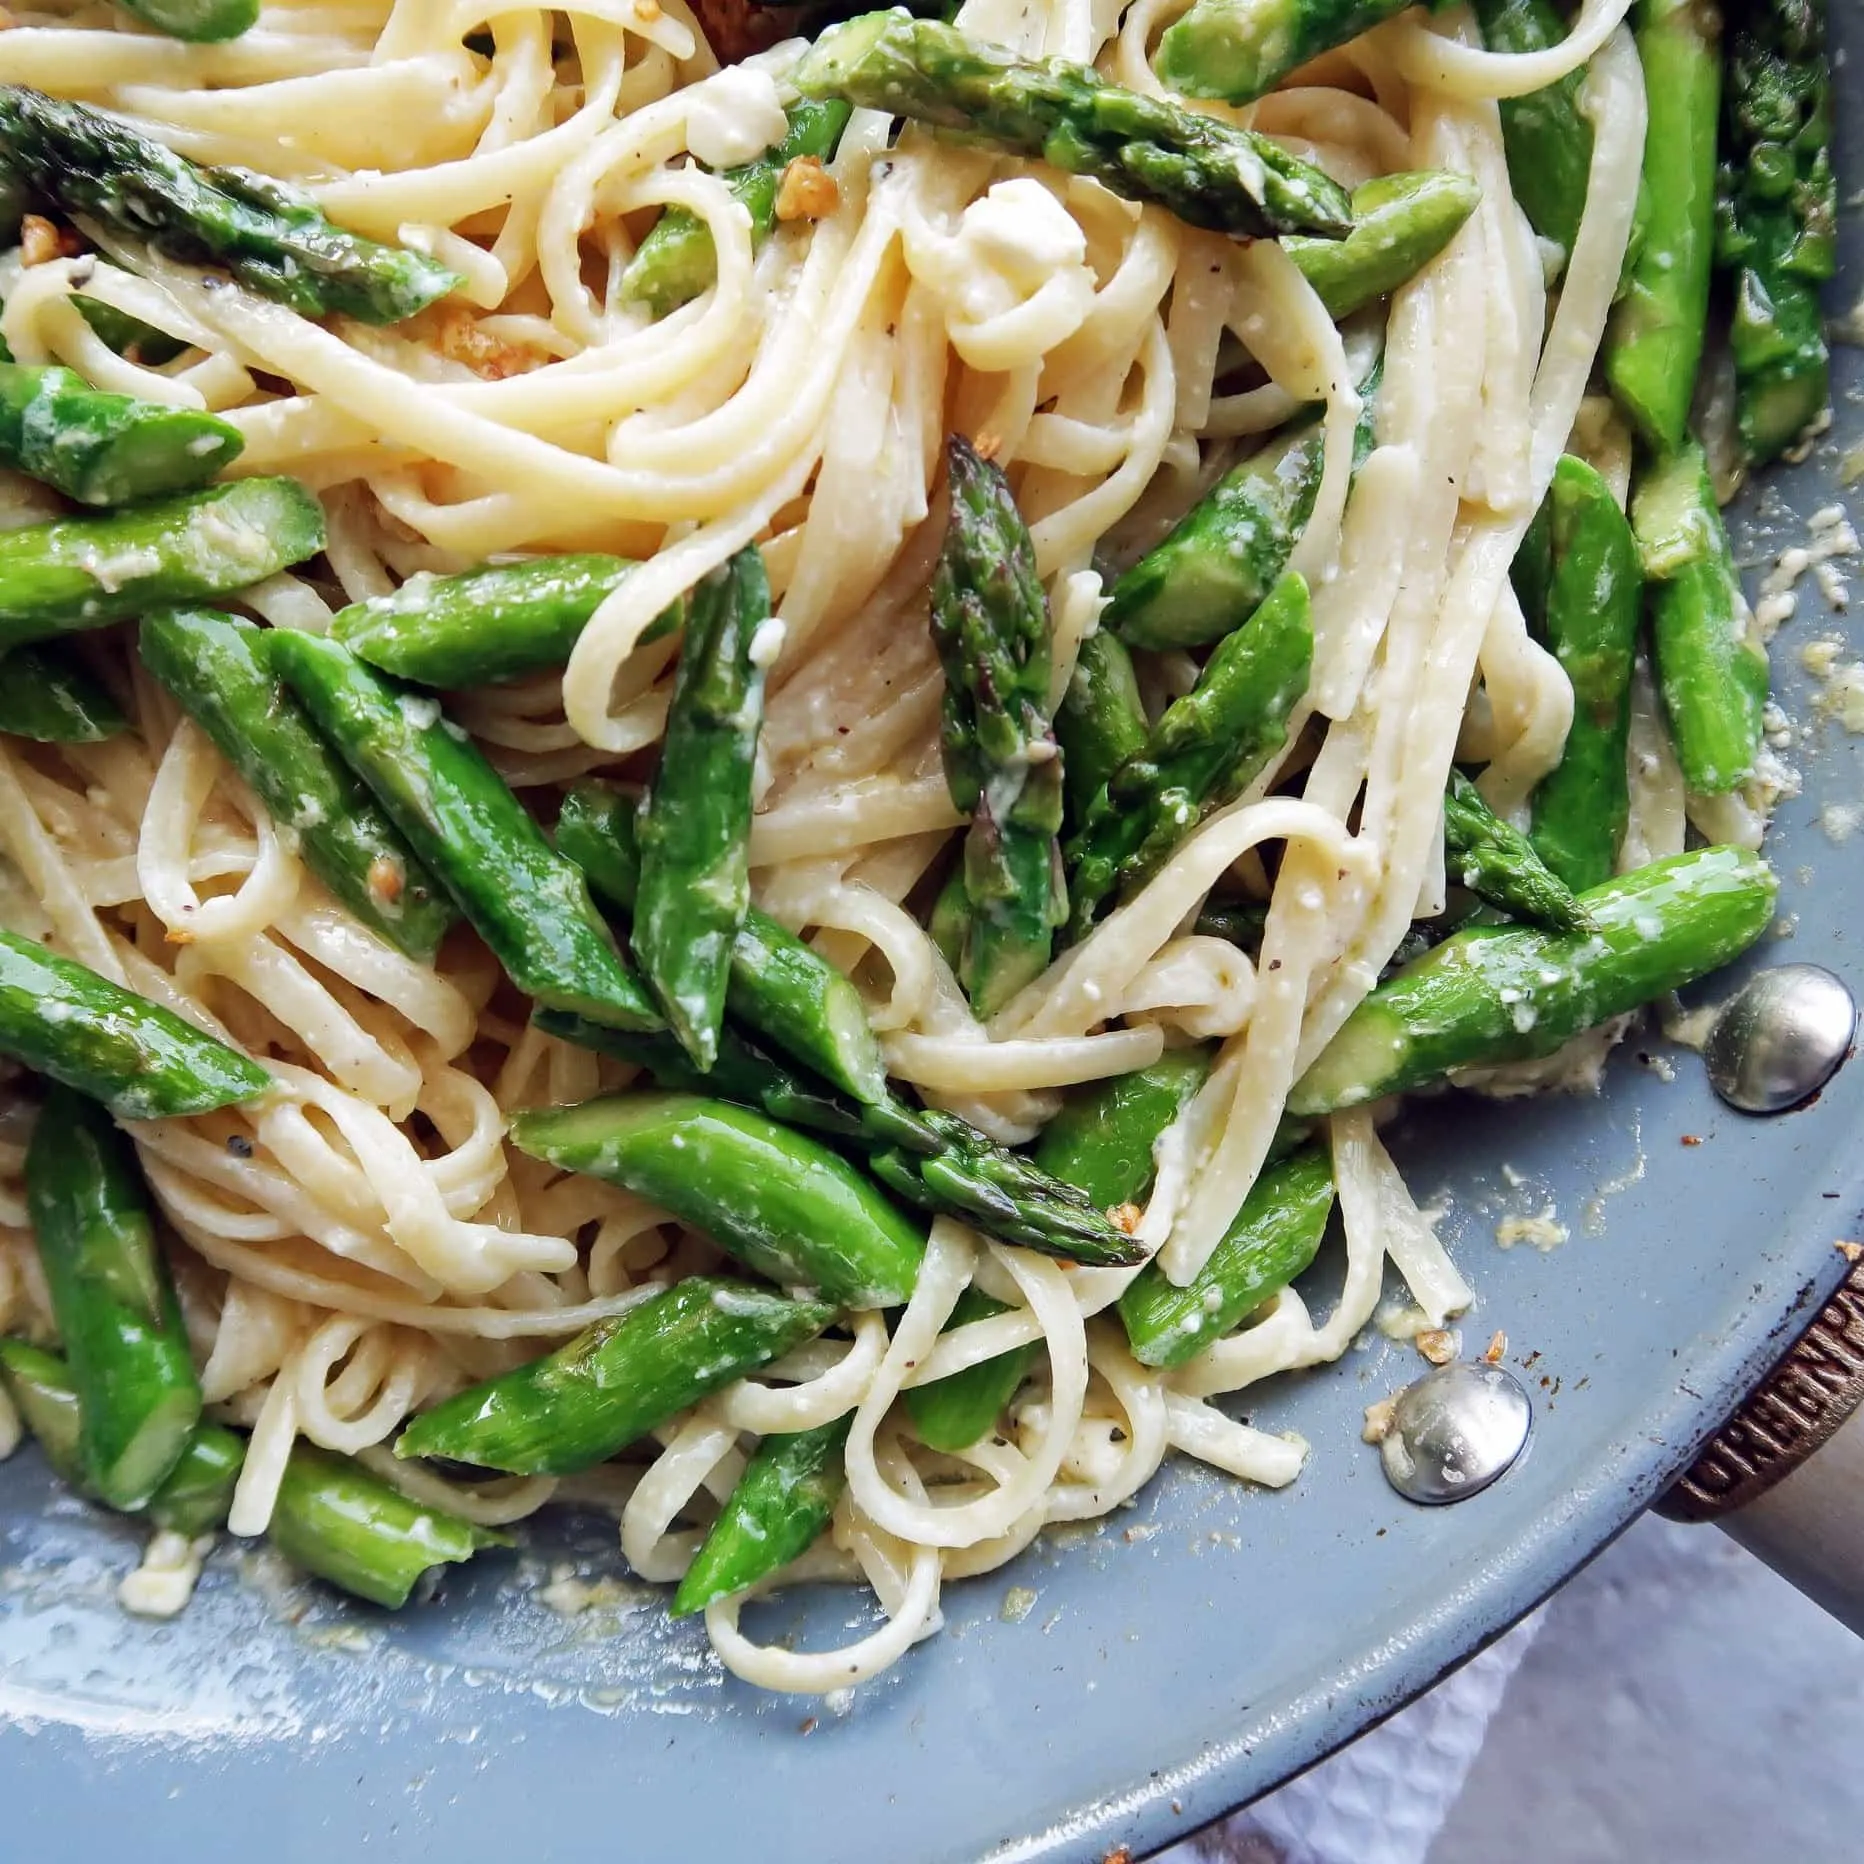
{"x":1200,"y":1647}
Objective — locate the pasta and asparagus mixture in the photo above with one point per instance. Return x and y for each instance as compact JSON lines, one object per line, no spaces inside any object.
{"x":731,"y":790}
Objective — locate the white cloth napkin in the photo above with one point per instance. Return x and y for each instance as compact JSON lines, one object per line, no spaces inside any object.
{"x":1382,"y":1799}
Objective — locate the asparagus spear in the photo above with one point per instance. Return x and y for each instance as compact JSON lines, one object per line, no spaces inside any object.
{"x":1226,"y":553}
{"x":1102,"y":1138}
{"x":1710,"y":665}
{"x":695,"y":826}
{"x":1776,"y":218}
{"x":1271,"y":1240}
{"x":1510,"y":993}
{"x":1145,"y":148}
{"x":138,"y":1397}
{"x":104,"y":449}
{"x":88,"y":572}
{"x":128,"y":336}
{"x":949,"y":924}
{"x":990,"y":622}
{"x":40,"y":1385}
{"x":1497,"y":863}
{"x":930,"y":1159}
{"x":270,"y":237}
{"x":141,"y":1060}
{"x":217,"y":667}
{"x":1400,"y":223}
{"x":776,"y":985}
{"x":49,"y":695}
{"x":1238,"y":49}
{"x":951,"y":1413}
{"x":675,"y":262}
{"x":1100,"y":722}
{"x":1242,"y":922}
{"x":1548,"y":138}
{"x":202,"y":22}
{"x":1587,"y":613}
{"x":778,"y":1200}
{"x":1201,"y":754}
{"x":781,"y":1503}
{"x":624,"y":1377}
{"x":1654,"y":341}
{"x":198,"y":1495}
{"x":528,"y":903}
{"x":337,"y":1520}
{"x":486,"y":625}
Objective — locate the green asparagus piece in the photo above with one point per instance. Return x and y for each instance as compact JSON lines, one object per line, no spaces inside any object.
{"x":744,"y":1071}
{"x":104,"y":449}
{"x":1100,"y":722}
{"x":624,"y":1377}
{"x":949,"y":924}
{"x":270,"y":237}
{"x":675,"y":262}
{"x":217,"y":667}
{"x":115,"y":1306}
{"x":1777,"y":218}
{"x":202,"y":22}
{"x":1497,"y":863}
{"x":79,"y":573}
{"x":695,"y":826}
{"x":1587,"y":613}
{"x":39,"y":1383}
{"x":778,"y":1200}
{"x":1145,"y":148}
{"x":781,"y":1503}
{"x":1547,"y":137}
{"x":1710,"y":665}
{"x":1226,"y":553}
{"x":990,"y":623}
{"x":486,"y":625}
{"x":198,"y":1495}
{"x":199,"y":1490}
{"x":1496,"y":993}
{"x":928,"y":1158}
{"x":336,"y":1519}
{"x":141,"y":1060}
{"x":1271,"y":1240}
{"x":777,"y":985}
{"x":1654,"y":342}
{"x":1102,"y":1138}
{"x":1203,"y":752}
{"x":1238,"y":49}
{"x":128,"y":336}
{"x":1242,"y":922}
{"x":525,"y":900}
{"x":951,"y":1413}
{"x":1400,"y":223}
{"x":49,"y":695}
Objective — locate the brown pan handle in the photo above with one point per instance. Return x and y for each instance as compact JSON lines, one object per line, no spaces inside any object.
{"x":1785,"y":1474}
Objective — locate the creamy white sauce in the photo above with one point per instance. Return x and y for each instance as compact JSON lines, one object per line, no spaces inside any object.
{"x":733,"y":117}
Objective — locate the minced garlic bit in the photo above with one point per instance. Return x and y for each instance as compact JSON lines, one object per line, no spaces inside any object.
{"x":1126,"y":1217}
{"x":165,"y":1581}
{"x":647,"y":11}
{"x":1542,"y":1231}
{"x":1437,"y":1344}
{"x":807,"y":191}
{"x":1378,"y":1420}
{"x":386,"y":879}
{"x":1496,"y":1348}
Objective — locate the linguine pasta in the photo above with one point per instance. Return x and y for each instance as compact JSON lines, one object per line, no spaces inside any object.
{"x":364,"y":1241}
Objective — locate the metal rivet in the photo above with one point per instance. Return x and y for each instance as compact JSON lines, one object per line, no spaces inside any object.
{"x":1780,"y":1038}
{"x":1454,"y":1431}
